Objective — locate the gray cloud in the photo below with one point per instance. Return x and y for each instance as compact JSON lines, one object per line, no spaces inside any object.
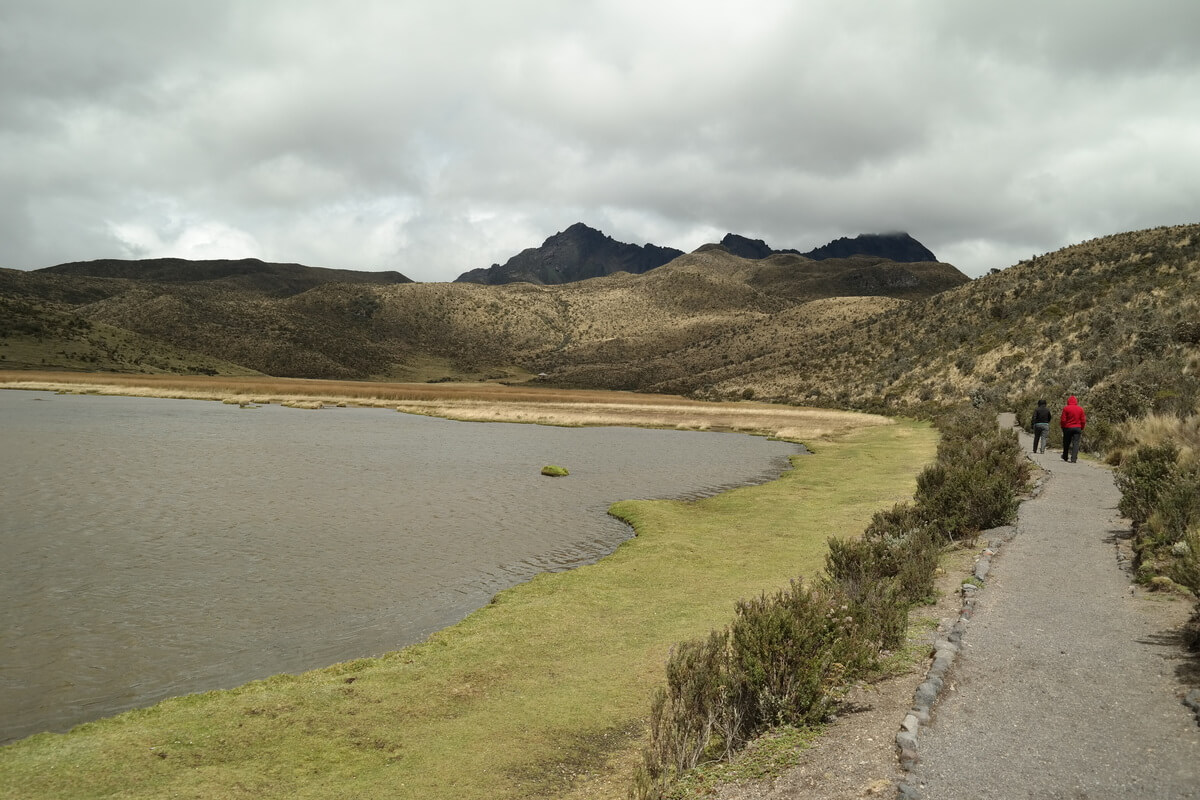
{"x":436,"y":138}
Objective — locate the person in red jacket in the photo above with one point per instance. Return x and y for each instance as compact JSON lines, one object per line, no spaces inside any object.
{"x":1071,"y":420}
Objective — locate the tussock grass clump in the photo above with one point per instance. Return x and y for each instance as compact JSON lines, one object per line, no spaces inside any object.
{"x":309,"y":404}
{"x":787,"y":657}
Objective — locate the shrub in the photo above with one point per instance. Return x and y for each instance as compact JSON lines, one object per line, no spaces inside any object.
{"x":786,"y":658}
{"x":1185,"y":568}
{"x":1178,"y":508}
{"x":1160,"y":493}
{"x":974,"y":483}
{"x":1141,"y":478}
{"x":685,"y":713}
{"x":897,"y":545}
{"x":782,"y":661}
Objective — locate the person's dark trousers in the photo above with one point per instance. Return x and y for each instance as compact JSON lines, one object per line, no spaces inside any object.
{"x":1041,"y":435}
{"x":1071,"y":443}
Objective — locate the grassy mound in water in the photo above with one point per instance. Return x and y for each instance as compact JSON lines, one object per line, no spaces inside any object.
{"x":544,"y":692}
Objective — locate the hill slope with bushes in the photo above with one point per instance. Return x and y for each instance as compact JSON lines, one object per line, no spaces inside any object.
{"x":1112,"y":320}
{"x":303,"y":322}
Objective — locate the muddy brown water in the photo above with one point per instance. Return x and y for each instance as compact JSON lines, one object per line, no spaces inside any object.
{"x":151,"y":548}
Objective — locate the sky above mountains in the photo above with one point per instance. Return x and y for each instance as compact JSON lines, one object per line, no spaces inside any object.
{"x":437,"y":137}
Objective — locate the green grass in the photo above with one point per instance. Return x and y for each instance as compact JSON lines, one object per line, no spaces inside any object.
{"x":542,"y":693}
{"x":772,"y":753}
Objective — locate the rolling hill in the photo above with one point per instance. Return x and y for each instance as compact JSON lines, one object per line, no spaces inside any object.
{"x":386,"y":329}
{"x":1112,"y":320}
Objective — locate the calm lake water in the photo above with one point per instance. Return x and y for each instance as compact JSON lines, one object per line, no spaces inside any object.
{"x":151,"y":548}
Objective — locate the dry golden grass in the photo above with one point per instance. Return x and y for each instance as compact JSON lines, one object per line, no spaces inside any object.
{"x":485,"y":402}
{"x":1159,"y":429}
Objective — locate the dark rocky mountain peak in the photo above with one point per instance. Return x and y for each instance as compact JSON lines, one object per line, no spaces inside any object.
{"x":893,"y":246}
{"x":898,"y":247}
{"x":744,"y":247}
{"x":581,"y":252}
{"x":575,"y":254}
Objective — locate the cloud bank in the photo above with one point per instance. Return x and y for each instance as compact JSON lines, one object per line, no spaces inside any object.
{"x":434,"y":138}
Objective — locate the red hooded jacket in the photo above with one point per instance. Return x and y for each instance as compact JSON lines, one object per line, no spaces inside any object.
{"x":1072,"y":415}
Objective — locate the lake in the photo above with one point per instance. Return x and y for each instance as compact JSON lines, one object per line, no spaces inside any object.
{"x":151,"y":548}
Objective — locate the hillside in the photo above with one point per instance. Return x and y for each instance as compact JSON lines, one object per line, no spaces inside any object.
{"x":605,"y":327}
{"x":797,"y":300}
{"x":247,"y":274}
{"x":1113,"y":320}
{"x":37,"y":335}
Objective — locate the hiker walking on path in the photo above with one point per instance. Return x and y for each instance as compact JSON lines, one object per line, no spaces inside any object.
{"x":1069,"y":681}
{"x":1072,"y":421}
{"x":1041,"y":426}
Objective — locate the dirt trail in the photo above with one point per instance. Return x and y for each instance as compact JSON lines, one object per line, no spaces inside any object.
{"x":1068,"y":683}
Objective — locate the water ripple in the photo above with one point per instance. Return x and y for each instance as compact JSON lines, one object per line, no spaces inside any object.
{"x":157,"y":547}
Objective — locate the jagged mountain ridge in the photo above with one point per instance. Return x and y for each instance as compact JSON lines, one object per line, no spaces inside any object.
{"x":581,"y":252}
{"x":576,"y":254}
{"x":899,"y":247}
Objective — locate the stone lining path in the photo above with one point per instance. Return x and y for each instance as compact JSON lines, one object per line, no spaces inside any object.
{"x":1066,"y":682}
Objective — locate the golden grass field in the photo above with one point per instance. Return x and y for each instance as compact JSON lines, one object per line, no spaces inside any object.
{"x":544,"y":692}
{"x":483,"y":402}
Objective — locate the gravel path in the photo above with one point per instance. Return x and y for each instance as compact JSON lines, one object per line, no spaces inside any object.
{"x":1066,"y":684}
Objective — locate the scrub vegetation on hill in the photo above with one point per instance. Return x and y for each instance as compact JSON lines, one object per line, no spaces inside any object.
{"x":316,"y":325}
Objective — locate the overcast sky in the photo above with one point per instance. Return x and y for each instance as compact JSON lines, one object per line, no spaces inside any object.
{"x":436,"y":136}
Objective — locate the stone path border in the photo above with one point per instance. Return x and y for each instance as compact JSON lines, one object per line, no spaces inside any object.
{"x":946,"y":648}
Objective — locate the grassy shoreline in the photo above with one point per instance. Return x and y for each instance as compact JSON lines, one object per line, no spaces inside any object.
{"x":544,"y":692}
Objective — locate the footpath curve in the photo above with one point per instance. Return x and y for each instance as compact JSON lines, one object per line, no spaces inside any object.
{"x":1065,"y":682}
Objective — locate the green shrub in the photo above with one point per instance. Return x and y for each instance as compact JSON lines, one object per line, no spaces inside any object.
{"x":897,"y":545}
{"x":967,"y":500}
{"x":1160,"y":492}
{"x":1185,"y":567}
{"x":686,"y":713}
{"x":1142,"y":477}
{"x":973,"y":485}
{"x":1178,"y":508}
{"x":782,"y":661}
{"x":786,"y":658}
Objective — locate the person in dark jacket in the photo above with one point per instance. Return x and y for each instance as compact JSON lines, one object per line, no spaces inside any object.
{"x":1041,"y":426}
{"x":1072,"y":421}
